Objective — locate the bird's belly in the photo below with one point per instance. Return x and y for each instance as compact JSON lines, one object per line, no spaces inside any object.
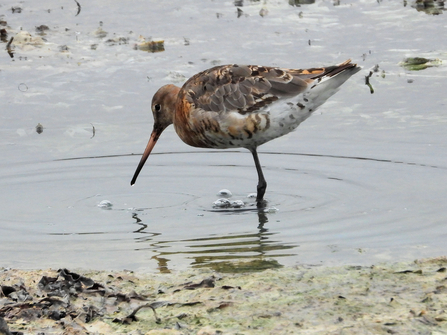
{"x":233,"y":129}
{"x":258,"y":128}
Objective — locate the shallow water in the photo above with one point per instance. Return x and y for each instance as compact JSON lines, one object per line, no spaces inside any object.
{"x":362,"y":180}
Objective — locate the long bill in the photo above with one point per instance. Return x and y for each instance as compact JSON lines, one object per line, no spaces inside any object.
{"x":150,"y":145}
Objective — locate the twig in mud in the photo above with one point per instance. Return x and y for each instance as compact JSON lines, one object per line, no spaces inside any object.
{"x":367,"y":82}
{"x":79,"y":7}
{"x":8,"y":48}
{"x":93,"y":131}
{"x":131,"y":317}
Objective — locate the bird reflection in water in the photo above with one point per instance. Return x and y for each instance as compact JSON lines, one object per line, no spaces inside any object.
{"x":232,"y":252}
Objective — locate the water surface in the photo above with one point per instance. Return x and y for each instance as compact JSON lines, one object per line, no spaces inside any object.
{"x":361,"y":181}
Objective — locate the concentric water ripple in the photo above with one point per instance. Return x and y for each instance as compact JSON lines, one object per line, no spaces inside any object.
{"x":326,"y":208}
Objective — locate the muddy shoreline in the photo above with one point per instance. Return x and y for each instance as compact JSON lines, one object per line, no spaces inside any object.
{"x":381,"y":299}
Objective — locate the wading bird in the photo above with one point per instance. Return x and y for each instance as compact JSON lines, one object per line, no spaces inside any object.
{"x":242,"y":106}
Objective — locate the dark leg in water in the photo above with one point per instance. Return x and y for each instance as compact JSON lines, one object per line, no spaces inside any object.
{"x":262,"y":184}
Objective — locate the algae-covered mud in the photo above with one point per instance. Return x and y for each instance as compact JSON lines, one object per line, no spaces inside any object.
{"x":396,"y":298}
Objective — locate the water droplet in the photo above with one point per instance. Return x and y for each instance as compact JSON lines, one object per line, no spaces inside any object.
{"x":237,"y":204}
{"x":225,"y":193}
{"x":222,"y":203}
{"x":271,"y":210}
{"x":105,"y":204}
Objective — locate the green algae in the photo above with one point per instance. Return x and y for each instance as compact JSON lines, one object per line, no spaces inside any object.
{"x":419,"y":63}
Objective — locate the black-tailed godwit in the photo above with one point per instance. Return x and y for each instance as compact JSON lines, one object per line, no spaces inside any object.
{"x":242,"y":106}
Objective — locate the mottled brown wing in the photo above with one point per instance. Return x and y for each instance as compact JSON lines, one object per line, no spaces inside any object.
{"x":239,"y":88}
{"x":247,"y":88}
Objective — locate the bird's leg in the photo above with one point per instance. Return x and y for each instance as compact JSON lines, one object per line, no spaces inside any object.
{"x":262,"y":184}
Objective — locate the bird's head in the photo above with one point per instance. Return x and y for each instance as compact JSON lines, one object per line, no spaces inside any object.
{"x":163,"y":110}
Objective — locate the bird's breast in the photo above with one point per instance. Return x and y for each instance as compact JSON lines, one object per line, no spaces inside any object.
{"x":208,"y":129}
{"x":192,"y":126}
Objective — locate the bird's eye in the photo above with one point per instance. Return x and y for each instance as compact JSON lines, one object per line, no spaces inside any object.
{"x":157,"y":107}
